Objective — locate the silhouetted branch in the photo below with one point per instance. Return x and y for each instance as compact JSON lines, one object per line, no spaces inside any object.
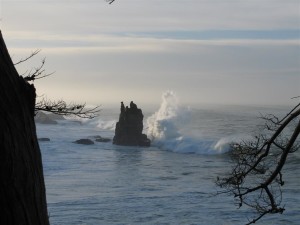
{"x":295,"y":97}
{"x":110,"y":1}
{"x":57,"y":107}
{"x":27,"y":58}
{"x":35,"y":73}
{"x":256,"y":179}
{"x":62,"y":108}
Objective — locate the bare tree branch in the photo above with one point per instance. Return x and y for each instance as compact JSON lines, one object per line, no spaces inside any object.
{"x":295,"y":97}
{"x":62,"y":108}
{"x":110,"y":1}
{"x":256,"y":178}
{"x":27,"y":58}
{"x":59,"y":107}
{"x":35,"y":73}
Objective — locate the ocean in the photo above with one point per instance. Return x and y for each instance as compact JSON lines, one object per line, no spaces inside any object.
{"x":171,"y":182}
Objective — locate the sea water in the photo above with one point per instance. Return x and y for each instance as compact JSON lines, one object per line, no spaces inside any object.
{"x":171,"y":182}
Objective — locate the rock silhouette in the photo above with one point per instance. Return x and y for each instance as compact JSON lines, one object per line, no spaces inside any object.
{"x":43,"y":139}
{"x":129,"y":129}
{"x":84,"y":141}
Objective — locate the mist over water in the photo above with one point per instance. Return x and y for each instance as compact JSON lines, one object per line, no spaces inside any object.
{"x":171,"y":182}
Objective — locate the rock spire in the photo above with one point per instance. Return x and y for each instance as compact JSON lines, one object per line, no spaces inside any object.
{"x":129,"y":129}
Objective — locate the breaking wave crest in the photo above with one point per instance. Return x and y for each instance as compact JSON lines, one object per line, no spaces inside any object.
{"x":164,"y":130}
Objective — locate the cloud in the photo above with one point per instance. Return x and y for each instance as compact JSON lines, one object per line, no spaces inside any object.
{"x":133,"y":42}
{"x":213,"y":51}
{"x":142,"y":15}
{"x":232,"y":71}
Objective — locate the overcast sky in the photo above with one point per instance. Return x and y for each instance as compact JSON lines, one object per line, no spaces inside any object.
{"x":206,"y":51}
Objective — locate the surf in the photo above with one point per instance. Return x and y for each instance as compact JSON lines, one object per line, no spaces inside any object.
{"x":165,"y":126}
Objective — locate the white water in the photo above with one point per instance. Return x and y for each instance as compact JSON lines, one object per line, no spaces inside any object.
{"x":164,"y":128}
{"x":172,"y":182}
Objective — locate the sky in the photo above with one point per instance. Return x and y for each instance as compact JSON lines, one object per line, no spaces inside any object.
{"x":206,"y":51}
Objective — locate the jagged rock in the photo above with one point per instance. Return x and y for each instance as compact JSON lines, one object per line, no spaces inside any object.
{"x":84,"y":141}
{"x":129,"y":129}
{"x":43,"y":139}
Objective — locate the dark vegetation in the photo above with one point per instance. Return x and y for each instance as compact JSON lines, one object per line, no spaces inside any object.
{"x":256,"y":178}
{"x":22,"y":189}
{"x":23,"y":196}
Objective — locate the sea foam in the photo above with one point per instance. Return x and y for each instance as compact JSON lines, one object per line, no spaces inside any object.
{"x":165,"y":125}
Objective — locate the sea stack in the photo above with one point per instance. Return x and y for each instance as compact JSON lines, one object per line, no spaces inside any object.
{"x":129,"y":129}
